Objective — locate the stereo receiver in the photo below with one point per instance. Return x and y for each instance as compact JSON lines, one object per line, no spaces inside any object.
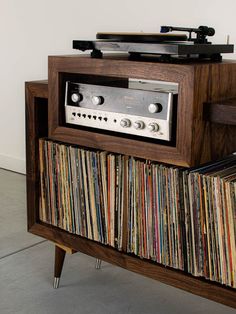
{"x":144,"y":109}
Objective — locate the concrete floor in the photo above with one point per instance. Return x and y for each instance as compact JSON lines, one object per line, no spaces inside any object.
{"x":26,"y":274}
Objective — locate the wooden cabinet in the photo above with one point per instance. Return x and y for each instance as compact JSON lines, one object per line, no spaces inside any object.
{"x":203,"y":89}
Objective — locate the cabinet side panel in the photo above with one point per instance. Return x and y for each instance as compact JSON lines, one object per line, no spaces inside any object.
{"x":222,"y":87}
{"x":36,"y":126}
{"x":213,"y":83}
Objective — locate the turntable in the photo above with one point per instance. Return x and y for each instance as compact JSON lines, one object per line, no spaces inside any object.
{"x":164,"y":46}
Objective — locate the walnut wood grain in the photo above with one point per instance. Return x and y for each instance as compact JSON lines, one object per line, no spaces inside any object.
{"x":221,"y":112}
{"x":36,"y":117}
{"x":219,"y":140}
{"x":175,"y":278}
{"x":199,"y":83}
{"x":59,"y":261}
{"x":124,"y":69}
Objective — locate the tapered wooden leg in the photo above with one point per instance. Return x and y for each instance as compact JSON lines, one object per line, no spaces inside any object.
{"x":59,"y":261}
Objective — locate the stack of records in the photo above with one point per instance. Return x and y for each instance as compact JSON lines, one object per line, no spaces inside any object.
{"x":156,"y":213}
{"x":82,"y":191}
{"x":185,"y":219}
{"x":211,"y":224}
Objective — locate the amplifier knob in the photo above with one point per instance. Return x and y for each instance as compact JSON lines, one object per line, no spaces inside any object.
{"x":76,"y":97}
{"x":153,"y":108}
{"x":139,"y":124}
{"x":153,"y":127}
{"x":125,"y":123}
{"x":97,"y":100}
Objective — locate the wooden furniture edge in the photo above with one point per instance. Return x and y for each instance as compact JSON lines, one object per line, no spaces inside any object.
{"x":176,"y":278}
{"x":35,"y":116}
{"x":221,"y":112}
{"x":67,"y":249}
{"x":37,"y":88}
{"x":101,"y":141}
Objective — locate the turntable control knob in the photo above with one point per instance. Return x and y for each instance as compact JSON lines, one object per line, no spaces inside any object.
{"x":155,"y":107}
{"x":153,"y":127}
{"x":76,"y":97}
{"x":125,"y":123}
{"x":139,"y":124}
{"x":97,"y":100}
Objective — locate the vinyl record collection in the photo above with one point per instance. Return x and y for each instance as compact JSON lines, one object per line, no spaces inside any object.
{"x":211,"y":227}
{"x":185,"y":219}
{"x":82,"y":192}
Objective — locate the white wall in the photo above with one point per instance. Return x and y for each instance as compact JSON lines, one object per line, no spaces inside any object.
{"x":31,"y":30}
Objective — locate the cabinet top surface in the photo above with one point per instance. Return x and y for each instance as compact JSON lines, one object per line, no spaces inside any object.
{"x":147,"y":59}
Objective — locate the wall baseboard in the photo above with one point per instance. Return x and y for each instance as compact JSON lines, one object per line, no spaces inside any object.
{"x":12,"y":163}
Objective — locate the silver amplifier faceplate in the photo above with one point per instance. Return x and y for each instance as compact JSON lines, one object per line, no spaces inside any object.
{"x":143,"y":109}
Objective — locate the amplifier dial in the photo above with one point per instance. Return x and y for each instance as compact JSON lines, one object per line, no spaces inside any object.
{"x":97,"y":100}
{"x":125,"y":123}
{"x":153,"y":108}
{"x":153,"y":127}
{"x":139,"y":124}
{"x":76,"y":97}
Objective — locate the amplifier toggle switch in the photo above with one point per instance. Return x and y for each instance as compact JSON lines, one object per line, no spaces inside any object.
{"x":156,"y":107}
{"x":125,"y":123}
{"x":138,"y":124}
{"x":76,"y":97}
{"x":153,"y":127}
{"x":97,"y":100}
